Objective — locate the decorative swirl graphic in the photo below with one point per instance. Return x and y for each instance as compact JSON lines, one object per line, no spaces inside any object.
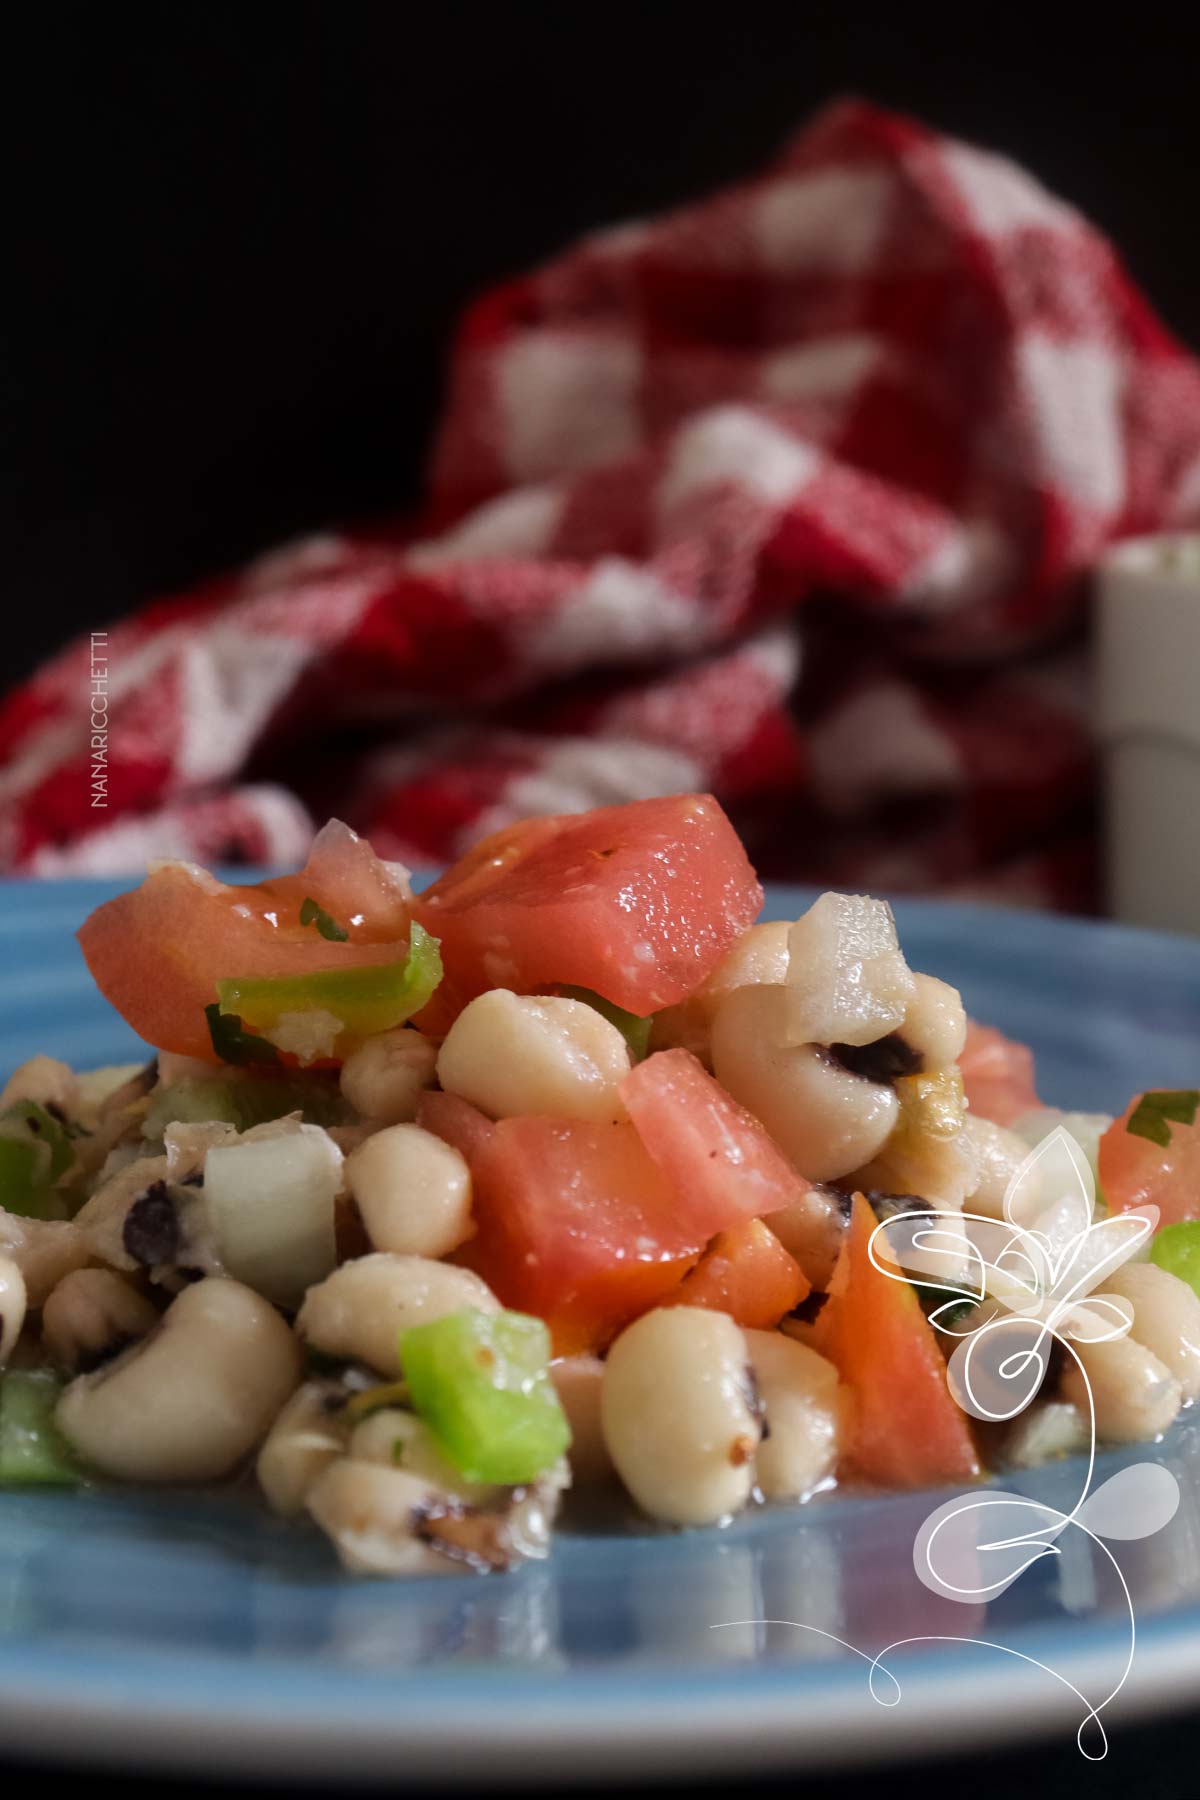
{"x":1030,"y":1279}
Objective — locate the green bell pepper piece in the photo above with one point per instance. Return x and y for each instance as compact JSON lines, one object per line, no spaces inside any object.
{"x":371,"y":998}
{"x":481,"y":1383}
{"x":33,"y":1452}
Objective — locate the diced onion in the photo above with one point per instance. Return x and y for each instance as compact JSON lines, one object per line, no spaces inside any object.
{"x":271,"y":1208}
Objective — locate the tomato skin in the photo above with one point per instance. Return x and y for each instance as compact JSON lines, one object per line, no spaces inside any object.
{"x":908,"y":1431}
{"x":747,"y":1273}
{"x":997,"y":1075}
{"x":577,"y":1225}
{"x":708,"y":1147}
{"x":157,"y":952}
{"x":455,"y":1121}
{"x":637,"y":902}
{"x":1135,"y":1172}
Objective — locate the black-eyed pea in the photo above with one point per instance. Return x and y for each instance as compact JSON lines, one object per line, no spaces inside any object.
{"x":372,"y":1515}
{"x":1134,"y":1394}
{"x":826,"y":1119}
{"x":47,"y":1082}
{"x":413,"y":1191}
{"x":44,"y":1250}
{"x":511,"y":1054}
{"x":13,"y":1300}
{"x":358,"y":1312}
{"x":811,"y":1229}
{"x":1044,"y":1432}
{"x":193,"y":1398}
{"x":385,"y":1077}
{"x":758,"y":958}
{"x":579,"y":1383}
{"x":998,"y":1154}
{"x":93,"y":1314}
{"x":308,"y":1435}
{"x":1166,"y":1318}
{"x":799,"y":1392}
{"x":399,"y":1440}
{"x":680,"y":1415}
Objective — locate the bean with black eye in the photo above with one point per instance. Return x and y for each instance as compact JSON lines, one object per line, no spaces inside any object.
{"x":884,"y":1060}
{"x":92,"y":1315}
{"x":191,"y":1399}
{"x":828,"y":1121}
{"x":803,"y":1414}
{"x":151,"y":1233}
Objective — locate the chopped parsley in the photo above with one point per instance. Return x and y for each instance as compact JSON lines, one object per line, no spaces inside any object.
{"x":326,"y":924}
{"x":1155,"y":1113}
{"x":232,"y":1043}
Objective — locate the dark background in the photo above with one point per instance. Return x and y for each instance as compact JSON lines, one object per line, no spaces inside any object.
{"x":239,"y":234}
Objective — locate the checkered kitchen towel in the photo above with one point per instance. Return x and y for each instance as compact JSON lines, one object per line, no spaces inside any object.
{"x":789,"y":494}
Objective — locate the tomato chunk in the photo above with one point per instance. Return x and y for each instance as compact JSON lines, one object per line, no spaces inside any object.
{"x":709,"y":1148}
{"x":637,"y":902}
{"x":997,"y":1075}
{"x":908,"y":1431}
{"x":747,"y":1273}
{"x":158,"y":951}
{"x":1134,"y":1171}
{"x":577,"y":1225}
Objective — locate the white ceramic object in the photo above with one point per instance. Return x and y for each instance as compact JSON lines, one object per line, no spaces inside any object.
{"x":1149,"y":724}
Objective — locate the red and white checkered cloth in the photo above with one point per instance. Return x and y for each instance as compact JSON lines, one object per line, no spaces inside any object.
{"x":789,"y":494}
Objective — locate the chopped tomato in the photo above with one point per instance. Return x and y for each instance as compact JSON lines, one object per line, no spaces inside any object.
{"x":1134,"y":1171}
{"x":908,"y":1431}
{"x":158,"y":951}
{"x":997,"y":1075}
{"x":638,"y":903}
{"x":708,"y":1147}
{"x":747,"y":1273}
{"x":367,"y":896}
{"x":455,"y":1121}
{"x":576,"y":1224}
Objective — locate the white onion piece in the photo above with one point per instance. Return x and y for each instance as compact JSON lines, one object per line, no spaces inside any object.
{"x":271,"y":1208}
{"x":847,"y":980}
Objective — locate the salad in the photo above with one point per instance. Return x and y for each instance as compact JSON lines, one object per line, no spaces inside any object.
{"x":563,"y":1171}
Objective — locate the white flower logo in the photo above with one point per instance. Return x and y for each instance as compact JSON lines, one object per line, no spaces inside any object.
{"x":1031,"y":1279}
{"x":1025,"y":1282}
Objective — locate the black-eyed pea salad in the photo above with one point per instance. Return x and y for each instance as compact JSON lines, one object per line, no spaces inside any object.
{"x":429,"y":1209}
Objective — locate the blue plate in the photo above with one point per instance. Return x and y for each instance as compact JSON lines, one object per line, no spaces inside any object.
{"x":195,"y":1632}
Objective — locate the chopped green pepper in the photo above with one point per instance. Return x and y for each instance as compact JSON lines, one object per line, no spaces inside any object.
{"x":635,"y":1030}
{"x":26,"y":1178}
{"x":481,"y":1383}
{"x":370,"y":998}
{"x":44,"y":1128}
{"x":33,"y":1452}
{"x":1176,"y":1248}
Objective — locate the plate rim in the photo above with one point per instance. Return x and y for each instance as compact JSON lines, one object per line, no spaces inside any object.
{"x":670,"y":1722}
